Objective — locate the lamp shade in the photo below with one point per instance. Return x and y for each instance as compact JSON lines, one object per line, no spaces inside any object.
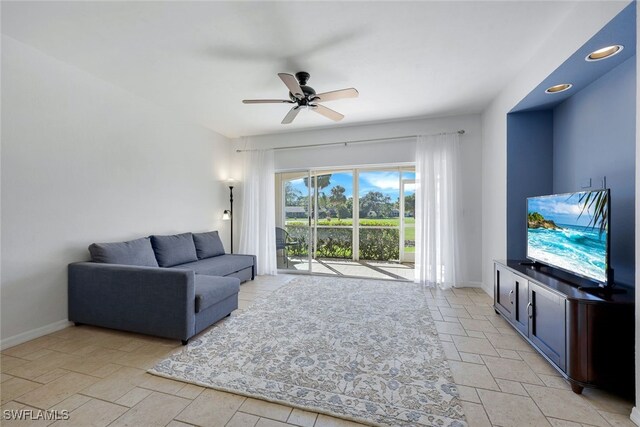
{"x":226,"y":215}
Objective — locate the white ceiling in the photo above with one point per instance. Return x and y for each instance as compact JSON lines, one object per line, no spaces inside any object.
{"x":200,"y":59}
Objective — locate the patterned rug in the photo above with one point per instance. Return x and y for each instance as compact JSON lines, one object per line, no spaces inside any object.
{"x":363,"y":350}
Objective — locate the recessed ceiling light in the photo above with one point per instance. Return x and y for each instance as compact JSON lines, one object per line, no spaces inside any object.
{"x":605,"y":52}
{"x":559,"y":88}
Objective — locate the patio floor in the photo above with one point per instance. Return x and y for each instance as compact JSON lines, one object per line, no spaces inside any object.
{"x":345,"y":267}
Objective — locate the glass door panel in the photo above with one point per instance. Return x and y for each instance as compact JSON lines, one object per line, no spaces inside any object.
{"x":408,"y":220}
{"x":379,"y":215}
{"x":332,"y":219}
{"x":293,"y":231}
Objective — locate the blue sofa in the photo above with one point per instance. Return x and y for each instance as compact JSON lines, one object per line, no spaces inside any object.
{"x":168,"y":286}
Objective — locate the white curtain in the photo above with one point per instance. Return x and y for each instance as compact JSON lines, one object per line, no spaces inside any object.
{"x":437,"y":214}
{"x":257,"y":231}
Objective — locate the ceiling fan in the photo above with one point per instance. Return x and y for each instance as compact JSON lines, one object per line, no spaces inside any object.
{"x":305,"y":97}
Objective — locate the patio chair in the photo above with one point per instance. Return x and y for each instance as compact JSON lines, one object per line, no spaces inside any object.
{"x":283,"y":242}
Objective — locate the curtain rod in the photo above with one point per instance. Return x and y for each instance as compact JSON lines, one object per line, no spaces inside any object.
{"x":360,"y":141}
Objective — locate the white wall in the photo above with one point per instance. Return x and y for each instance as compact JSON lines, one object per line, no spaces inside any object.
{"x":399,"y":151}
{"x":84,"y":161}
{"x":586,"y":20}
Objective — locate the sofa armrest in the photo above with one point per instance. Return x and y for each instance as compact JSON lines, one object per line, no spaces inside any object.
{"x":149,"y":300}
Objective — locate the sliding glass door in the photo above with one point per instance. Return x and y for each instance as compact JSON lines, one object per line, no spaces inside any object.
{"x":346,"y":221}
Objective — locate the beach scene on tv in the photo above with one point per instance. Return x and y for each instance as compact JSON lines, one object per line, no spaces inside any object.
{"x":569,"y":231}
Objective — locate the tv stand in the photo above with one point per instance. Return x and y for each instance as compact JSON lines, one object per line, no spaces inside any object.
{"x":533,"y":264}
{"x":586,"y":333}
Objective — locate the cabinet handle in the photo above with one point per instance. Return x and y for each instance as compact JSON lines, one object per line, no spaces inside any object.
{"x":511,"y":296}
{"x":530,"y":310}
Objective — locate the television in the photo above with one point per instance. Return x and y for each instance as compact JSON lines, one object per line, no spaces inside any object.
{"x":571,"y":232}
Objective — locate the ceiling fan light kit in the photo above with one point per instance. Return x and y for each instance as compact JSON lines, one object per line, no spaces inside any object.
{"x":305,"y":97}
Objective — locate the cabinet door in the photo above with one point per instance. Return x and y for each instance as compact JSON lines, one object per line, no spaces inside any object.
{"x":546,"y":311}
{"x":521,"y":299}
{"x":503,"y":291}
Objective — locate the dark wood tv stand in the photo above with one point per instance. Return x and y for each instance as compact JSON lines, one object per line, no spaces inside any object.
{"x":586,"y":334}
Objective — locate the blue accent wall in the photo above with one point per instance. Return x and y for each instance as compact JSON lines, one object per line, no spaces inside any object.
{"x":594,"y":137}
{"x":529,"y":171}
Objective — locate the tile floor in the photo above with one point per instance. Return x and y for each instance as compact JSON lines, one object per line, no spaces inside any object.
{"x":99,"y":376}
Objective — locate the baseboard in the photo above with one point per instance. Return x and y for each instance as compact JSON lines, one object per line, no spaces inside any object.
{"x":6,"y":343}
{"x":635,"y":415}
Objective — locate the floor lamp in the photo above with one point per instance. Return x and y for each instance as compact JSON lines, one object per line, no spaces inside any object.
{"x":228,"y":214}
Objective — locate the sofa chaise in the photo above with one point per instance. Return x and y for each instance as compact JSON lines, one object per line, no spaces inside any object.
{"x":168,"y":286}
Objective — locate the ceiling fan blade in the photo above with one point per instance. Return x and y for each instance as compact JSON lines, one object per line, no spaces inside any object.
{"x":336,"y":94}
{"x":266,"y":101}
{"x":292,"y":83}
{"x":291,"y":115}
{"x":328,"y":113}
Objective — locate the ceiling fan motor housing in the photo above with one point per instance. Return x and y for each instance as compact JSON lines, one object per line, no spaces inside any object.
{"x":308,"y":91}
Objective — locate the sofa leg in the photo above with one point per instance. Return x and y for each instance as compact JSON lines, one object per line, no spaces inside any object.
{"x":185,"y":342}
{"x":77,"y":323}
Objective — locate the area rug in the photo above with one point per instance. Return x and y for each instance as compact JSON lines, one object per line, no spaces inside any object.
{"x":363,"y":350}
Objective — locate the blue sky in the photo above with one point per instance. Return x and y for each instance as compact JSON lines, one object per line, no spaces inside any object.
{"x":561,"y":209}
{"x":386,"y":182}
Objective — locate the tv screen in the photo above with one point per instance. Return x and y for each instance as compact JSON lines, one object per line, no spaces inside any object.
{"x":570,"y":232}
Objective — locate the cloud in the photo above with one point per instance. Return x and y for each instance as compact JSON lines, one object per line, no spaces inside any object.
{"x":382,"y":180}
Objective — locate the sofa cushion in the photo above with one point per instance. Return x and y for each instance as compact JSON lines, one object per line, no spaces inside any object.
{"x":211,"y":290}
{"x":133,"y":252}
{"x":222,"y":265}
{"x":175,"y":249}
{"x":208,"y":244}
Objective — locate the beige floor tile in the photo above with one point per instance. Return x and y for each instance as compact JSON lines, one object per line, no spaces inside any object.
{"x":156,"y":409}
{"x":474,"y":345}
{"x":604,"y":401}
{"x":450,"y":328}
{"x":475,"y":414}
{"x":161,"y":384}
{"x":265,"y":409}
{"x":538,"y":364}
{"x":94,"y":413}
{"x":512,"y":387}
{"x":445,"y":338}
{"x":472,"y":358}
{"x":57,"y":390}
{"x":71,"y":403}
{"x":468,"y":394}
{"x":450,"y":351}
{"x":472,"y":375}
{"x":476,"y":334}
{"x":478,"y":325}
{"x":240,"y":419}
{"x":328,"y":421}
{"x":133,"y":397}
{"x":8,"y":363}
{"x":462,"y":300}
{"x":22,"y":350}
{"x":37,"y":354}
{"x":116,"y":385}
{"x":498,"y":321}
{"x":617,"y":420}
{"x":449,"y":319}
{"x":555,"y":381}
{"x":508,"y":354}
{"x":480,"y":309}
{"x":555,"y":422}
{"x":302,"y":418}
{"x":190,"y":391}
{"x":35,"y":368}
{"x":509,"y":342}
{"x":52,"y":375}
{"x":455,"y":312}
{"x":509,"y":369}
{"x":175,"y":423}
{"x":510,"y":410}
{"x":565,"y":405}
{"x":211,"y":408}
{"x":16,"y":387}
{"x":266,"y":422}
{"x":5,"y":377}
